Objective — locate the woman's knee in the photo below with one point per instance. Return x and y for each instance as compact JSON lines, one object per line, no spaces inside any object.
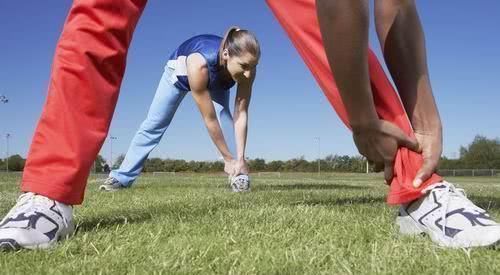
{"x":152,"y":126}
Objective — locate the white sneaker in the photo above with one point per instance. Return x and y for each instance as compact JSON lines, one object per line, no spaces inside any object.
{"x":240,"y":183}
{"x":111,"y":185}
{"x":449,"y":218}
{"x":35,"y":222}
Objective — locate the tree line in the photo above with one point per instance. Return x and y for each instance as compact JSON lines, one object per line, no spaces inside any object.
{"x":481,"y":153}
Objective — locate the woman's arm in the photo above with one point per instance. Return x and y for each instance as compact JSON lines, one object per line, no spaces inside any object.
{"x":197,"y":72}
{"x":241,"y":105}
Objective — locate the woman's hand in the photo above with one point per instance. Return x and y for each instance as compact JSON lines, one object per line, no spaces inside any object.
{"x":240,"y":167}
{"x":229,"y":167}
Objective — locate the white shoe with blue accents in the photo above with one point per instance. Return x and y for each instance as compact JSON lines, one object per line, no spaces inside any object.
{"x":449,"y":219}
{"x":35,"y":222}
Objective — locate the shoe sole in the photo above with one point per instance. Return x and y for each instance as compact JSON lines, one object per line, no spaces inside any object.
{"x":408,"y":227}
{"x":106,"y":189}
{"x":9,"y":245}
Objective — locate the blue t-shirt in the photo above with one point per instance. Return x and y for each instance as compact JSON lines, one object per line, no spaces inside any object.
{"x":208,"y":46}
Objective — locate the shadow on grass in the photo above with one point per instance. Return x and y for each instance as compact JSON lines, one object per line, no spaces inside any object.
{"x":190,"y":212}
{"x":306,"y":186}
{"x":155,"y":185}
{"x":175,"y":213}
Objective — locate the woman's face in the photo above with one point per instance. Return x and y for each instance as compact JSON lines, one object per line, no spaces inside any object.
{"x":241,"y":68}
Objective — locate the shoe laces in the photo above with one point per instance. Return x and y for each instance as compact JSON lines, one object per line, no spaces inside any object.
{"x":448,"y":193}
{"x":446,"y":196}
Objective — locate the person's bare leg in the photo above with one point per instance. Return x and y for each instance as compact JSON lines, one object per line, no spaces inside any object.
{"x":403,"y":43}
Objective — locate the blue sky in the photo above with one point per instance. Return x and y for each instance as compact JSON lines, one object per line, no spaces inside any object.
{"x":288,"y":109}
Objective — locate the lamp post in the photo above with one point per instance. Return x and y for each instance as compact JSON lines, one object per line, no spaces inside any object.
{"x":7,"y":136}
{"x":5,"y":100}
{"x":111,"y":138}
{"x":319,"y":154}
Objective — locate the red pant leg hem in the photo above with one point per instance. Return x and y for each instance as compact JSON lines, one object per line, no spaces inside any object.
{"x":409,"y":194}
{"x":52,"y":191}
{"x":396,"y":200}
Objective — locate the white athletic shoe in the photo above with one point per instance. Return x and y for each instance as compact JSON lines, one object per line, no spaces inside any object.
{"x":240,"y":183}
{"x":449,"y":218}
{"x":35,"y":222}
{"x":111,"y":185}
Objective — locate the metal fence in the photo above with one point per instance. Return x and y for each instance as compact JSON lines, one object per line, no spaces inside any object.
{"x":470,"y":172}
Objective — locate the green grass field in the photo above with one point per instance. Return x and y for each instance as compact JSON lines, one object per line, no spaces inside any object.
{"x":295,"y":224}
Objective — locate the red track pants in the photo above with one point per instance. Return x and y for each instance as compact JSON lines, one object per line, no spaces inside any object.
{"x":87,"y":72}
{"x":86,"y":75}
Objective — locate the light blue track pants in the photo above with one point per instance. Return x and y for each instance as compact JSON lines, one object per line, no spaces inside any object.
{"x":162,"y":110}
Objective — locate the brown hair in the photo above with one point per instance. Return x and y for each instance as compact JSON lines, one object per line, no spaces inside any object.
{"x":238,"y":41}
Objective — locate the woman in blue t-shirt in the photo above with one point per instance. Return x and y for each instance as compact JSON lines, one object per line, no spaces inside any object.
{"x":208,"y":66}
